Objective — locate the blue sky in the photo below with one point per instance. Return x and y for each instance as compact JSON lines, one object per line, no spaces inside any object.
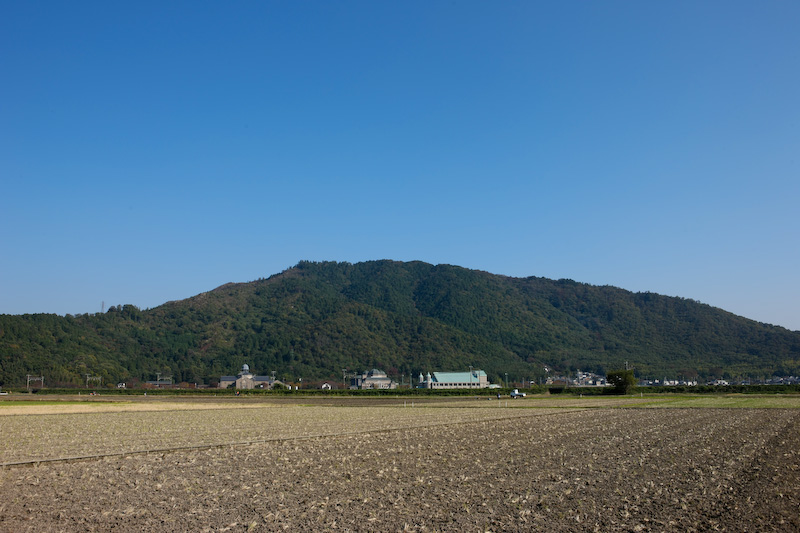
{"x":150,"y":151}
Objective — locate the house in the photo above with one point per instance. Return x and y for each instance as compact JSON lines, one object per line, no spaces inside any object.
{"x":588,"y":379}
{"x":474,"y":379}
{"x":372,"y":379}
{"x":246,"y":380}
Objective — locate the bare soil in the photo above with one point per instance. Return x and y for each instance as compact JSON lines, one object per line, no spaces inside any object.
{"x":591,"y":470}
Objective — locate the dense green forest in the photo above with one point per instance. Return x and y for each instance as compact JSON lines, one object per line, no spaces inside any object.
{"x":315,"y":319}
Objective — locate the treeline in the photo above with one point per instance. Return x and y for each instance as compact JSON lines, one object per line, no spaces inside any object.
{"x":316,"y":319}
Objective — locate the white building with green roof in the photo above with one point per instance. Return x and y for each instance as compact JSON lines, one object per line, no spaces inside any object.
{"x":475,"y":379}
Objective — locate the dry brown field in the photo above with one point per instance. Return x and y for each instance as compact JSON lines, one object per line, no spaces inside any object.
{"x":383,"y":465}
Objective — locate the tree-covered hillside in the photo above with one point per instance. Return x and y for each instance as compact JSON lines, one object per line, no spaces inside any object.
{"x":315,"y":319}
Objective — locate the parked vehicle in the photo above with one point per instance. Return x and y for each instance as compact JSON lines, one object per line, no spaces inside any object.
{"x":517,"y":394}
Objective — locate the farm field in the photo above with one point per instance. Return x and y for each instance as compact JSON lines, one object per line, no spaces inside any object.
{"x":455,"y":465}
{"x":39,"y":436}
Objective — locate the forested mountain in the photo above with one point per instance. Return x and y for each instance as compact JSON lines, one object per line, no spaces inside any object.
{"x":315,"y":319}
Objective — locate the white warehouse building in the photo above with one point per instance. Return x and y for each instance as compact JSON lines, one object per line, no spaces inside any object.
{"x":475,"y":379}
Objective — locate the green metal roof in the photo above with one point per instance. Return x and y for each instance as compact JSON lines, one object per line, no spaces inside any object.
{"x":458,"y":377}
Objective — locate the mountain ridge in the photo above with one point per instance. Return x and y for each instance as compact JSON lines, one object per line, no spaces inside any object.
{"x":316,"y":318}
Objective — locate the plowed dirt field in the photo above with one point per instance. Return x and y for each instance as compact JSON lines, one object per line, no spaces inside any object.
{"x":395,"y":468}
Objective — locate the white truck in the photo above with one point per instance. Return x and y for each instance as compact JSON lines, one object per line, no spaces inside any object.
{"x":517,"y":394}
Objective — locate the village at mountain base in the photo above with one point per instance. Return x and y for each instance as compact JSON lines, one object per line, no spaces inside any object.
{"x":369,"y":379}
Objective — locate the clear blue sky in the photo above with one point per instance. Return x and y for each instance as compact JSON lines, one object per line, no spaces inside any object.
{"x":150,"y":151}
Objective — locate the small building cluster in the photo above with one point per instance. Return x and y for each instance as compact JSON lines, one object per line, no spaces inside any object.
{"x":246,"y":380}
{"x":581,"y":379}
{"x":588,"y":379}
{"x":372,"y":379}
{"x":671,"y":383}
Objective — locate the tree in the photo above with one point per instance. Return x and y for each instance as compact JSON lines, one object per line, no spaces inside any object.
{"x":622,"y":381}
